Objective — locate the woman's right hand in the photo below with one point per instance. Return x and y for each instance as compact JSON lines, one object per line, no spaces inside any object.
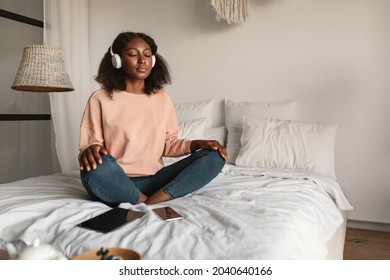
{"x":90,"y":157}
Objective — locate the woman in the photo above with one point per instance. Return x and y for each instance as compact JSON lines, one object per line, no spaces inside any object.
{"x":130,"y":124}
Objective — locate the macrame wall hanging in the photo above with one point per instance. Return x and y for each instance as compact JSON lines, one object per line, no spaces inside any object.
{"x":233,"y":11}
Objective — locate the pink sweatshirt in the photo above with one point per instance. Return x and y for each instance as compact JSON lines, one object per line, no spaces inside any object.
{"x":136,"y":129}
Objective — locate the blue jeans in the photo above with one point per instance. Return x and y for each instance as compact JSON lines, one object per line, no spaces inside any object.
{"x":109,"y":184}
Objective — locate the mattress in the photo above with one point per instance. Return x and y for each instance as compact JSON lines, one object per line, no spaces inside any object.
{"x":244,"y":213}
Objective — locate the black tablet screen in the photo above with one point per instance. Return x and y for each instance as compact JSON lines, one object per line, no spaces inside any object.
{"x":111,"y":219}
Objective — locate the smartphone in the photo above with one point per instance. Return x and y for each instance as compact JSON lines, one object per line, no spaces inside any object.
{"x":111,"y":219}
{"x":167,"y":213}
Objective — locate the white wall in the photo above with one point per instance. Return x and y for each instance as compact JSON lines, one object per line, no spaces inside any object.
{"x":332,"y":56}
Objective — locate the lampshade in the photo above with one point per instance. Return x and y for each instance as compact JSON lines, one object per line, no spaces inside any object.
{"x":42,"y":69}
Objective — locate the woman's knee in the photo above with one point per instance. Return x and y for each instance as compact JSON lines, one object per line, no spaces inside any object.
{"x":103,"y":169}
{"x":216,"y":158}
{"x":212,"y":161}
{"x":99,"y":178}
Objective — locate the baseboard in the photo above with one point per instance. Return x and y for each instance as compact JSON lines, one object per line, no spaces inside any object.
{"x":368,"y":225}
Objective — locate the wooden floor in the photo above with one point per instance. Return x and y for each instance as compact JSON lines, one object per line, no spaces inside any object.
{"x":361,"y":244}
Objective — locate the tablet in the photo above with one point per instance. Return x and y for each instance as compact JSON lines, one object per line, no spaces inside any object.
{"x":111,"y":219}
{"x":167,"y":213}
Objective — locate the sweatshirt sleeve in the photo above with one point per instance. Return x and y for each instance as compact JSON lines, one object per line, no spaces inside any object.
{"x":91,"y":130}
{"x":174,"y":147}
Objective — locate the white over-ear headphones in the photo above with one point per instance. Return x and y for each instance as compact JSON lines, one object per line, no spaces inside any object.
{"x":117,"y":62}
{"x":115,"y":59}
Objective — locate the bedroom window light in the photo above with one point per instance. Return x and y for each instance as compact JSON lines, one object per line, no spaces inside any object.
{"x":42,"y":69}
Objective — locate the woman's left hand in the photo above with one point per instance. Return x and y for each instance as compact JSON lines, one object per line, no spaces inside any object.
{"x":210,"y":145}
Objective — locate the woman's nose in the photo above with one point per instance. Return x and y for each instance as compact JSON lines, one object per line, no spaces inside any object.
{"x":141,"y":59}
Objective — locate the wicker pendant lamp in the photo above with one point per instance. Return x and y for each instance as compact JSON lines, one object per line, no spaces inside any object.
{"x":42,"y":69}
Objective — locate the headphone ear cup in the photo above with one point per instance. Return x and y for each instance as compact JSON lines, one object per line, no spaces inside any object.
{"x":116,"y":61}
{"x":153,"y":60}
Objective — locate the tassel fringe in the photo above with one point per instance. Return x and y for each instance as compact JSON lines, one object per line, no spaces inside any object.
{"x":233,"y":11}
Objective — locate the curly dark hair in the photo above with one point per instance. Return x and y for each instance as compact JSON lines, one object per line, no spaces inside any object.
{"x":114,"y":79}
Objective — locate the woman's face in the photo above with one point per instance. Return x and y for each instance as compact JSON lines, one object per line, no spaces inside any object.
{"x":137,"y":59}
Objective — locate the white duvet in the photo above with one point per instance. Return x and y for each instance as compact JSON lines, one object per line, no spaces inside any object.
{"x":242,"y":214}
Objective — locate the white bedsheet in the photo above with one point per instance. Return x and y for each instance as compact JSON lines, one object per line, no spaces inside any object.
{"x":242,"y":214}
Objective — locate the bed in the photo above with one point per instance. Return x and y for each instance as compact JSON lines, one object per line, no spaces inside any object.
{"x":261,"y":206}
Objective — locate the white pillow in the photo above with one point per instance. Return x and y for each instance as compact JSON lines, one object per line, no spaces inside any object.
{"x":191,"y":130}
{"x":271,"y":143}
{"x":216,"y":133}
{"x":235,"y":110}
{"x":195,"y":110}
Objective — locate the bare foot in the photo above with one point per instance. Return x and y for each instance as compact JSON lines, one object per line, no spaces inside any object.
{"x":157,"y":197}
{"x":142,"y":198}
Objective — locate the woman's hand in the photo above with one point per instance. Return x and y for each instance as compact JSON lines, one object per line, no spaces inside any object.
{"x":90,"y":157}
{"x":210,"y":145}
